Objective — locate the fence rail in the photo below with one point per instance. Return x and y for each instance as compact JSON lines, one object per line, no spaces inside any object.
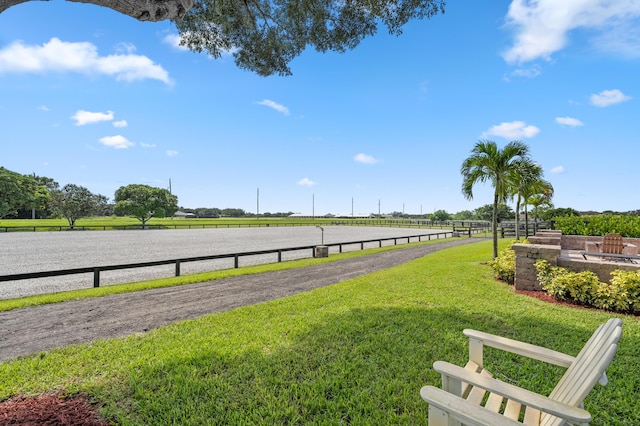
{"x":96,"y":270}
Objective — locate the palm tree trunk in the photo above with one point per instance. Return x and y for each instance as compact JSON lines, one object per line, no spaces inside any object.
{"x":526,"y":220}
{"x":495,"y":225}
{"x":518,"y":218}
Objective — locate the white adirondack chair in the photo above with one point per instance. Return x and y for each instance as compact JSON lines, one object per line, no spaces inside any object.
{"x":470,"y":396}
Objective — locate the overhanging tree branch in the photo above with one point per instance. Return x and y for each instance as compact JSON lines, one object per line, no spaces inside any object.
{"x":142,"y":10}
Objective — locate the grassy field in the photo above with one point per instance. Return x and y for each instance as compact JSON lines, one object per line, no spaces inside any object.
{"x":352,"y":353}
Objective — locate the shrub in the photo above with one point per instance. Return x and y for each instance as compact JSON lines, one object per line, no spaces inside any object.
{"x":622,"y":294}
{"x":505,"y":264}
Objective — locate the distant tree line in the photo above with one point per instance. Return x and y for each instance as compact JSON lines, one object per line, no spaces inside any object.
{"x":27,"y":196}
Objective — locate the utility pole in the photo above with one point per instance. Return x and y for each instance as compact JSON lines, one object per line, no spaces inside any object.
{"x":33,"y":209}
{"x":257,"y":203}
{"x":170,"y":186}
{"x":351,"y":207}
{"x":313,"y":205}
{"x":378,"y":207}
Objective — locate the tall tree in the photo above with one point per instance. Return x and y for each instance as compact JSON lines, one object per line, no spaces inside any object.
{"x":489,"y":163}
{"x":265,"y":35}
{"x":19,"y":191}
{"x":486,"y":212}
{"x":144,"y":202}
{"x":74,"y":202}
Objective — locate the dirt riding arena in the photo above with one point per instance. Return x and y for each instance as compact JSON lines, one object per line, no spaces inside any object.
{"x":44,"y":251}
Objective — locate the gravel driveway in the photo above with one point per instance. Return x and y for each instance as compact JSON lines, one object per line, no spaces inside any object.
{"x":41,"y":328}
{"x":23,"y":252}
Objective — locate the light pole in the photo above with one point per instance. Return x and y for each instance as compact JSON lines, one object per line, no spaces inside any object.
{"x":322,"y":235}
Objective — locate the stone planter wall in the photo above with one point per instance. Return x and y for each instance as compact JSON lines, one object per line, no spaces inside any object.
{"x":526,"y":257}
{"x":549,"y":246}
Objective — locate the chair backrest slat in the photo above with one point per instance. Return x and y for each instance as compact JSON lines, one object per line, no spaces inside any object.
{"x":588,"y":368}
{"x":612,"y":243}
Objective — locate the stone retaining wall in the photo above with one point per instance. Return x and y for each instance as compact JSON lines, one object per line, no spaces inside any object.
{"x":526,"y":257}
{"x":577,"y":242}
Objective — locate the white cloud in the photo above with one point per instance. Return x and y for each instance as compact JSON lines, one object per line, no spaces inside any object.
{"x":81,"y":57}
{"x":280,"y":108}
{"x":568,"y":121}
{"x":86,"y":117}
{"x":173,"y":40}
{"x":171,"y":153}
{"x":43,"y":108}
{"x":608,"y":97}
{"x":557,"y":170}
{"x":147,"y":145}
{"x":118,"y":142}
{"x":121,"y":123}
{"x":512,"y":130}
{"x":365,"y":159}
{"x":530,"y":72}
{"x":125,"y":47}
{"x":306,"y":182}
{"x":542,"y":26}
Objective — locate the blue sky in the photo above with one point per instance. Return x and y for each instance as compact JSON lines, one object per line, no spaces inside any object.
{"x":98,"y":99}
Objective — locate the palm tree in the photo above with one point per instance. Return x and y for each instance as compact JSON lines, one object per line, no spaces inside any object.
{"x":540,"y":201}
{"x":538,"y":188}
{"x":499,"y":166}
{"x":524,"y":180}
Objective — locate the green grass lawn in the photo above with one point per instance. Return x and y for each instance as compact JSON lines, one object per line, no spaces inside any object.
{"x":352,"y":353}
{"x":111,"y":222}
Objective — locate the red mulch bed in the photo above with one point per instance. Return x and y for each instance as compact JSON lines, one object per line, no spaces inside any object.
{"x":545,"y":297}
{"x":50,"y":409}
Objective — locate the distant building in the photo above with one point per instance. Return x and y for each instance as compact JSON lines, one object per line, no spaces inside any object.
{"x":183,"y":214}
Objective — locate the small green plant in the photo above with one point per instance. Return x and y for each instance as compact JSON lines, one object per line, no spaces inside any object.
{"x":505,"y":264}
{"x":622,"y":294}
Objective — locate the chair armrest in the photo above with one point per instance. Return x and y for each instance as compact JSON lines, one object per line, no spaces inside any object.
{"x":462,"y":410}
{"x":525,"y":349}
{"x":523,"y":396}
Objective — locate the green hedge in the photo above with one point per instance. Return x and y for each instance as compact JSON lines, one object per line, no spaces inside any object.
{"x":625,"y":225}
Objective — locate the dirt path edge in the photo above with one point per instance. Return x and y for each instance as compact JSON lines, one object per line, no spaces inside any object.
{"x":41,"y":328}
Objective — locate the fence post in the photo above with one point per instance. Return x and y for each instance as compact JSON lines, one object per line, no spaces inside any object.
{"x":279,"y":256}
{"x":177,"y":268}
{"x":235,"y":262}
{"x":96,"y":278}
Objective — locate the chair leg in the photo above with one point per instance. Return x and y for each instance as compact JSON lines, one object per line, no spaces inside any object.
{"x":438,"y":417}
